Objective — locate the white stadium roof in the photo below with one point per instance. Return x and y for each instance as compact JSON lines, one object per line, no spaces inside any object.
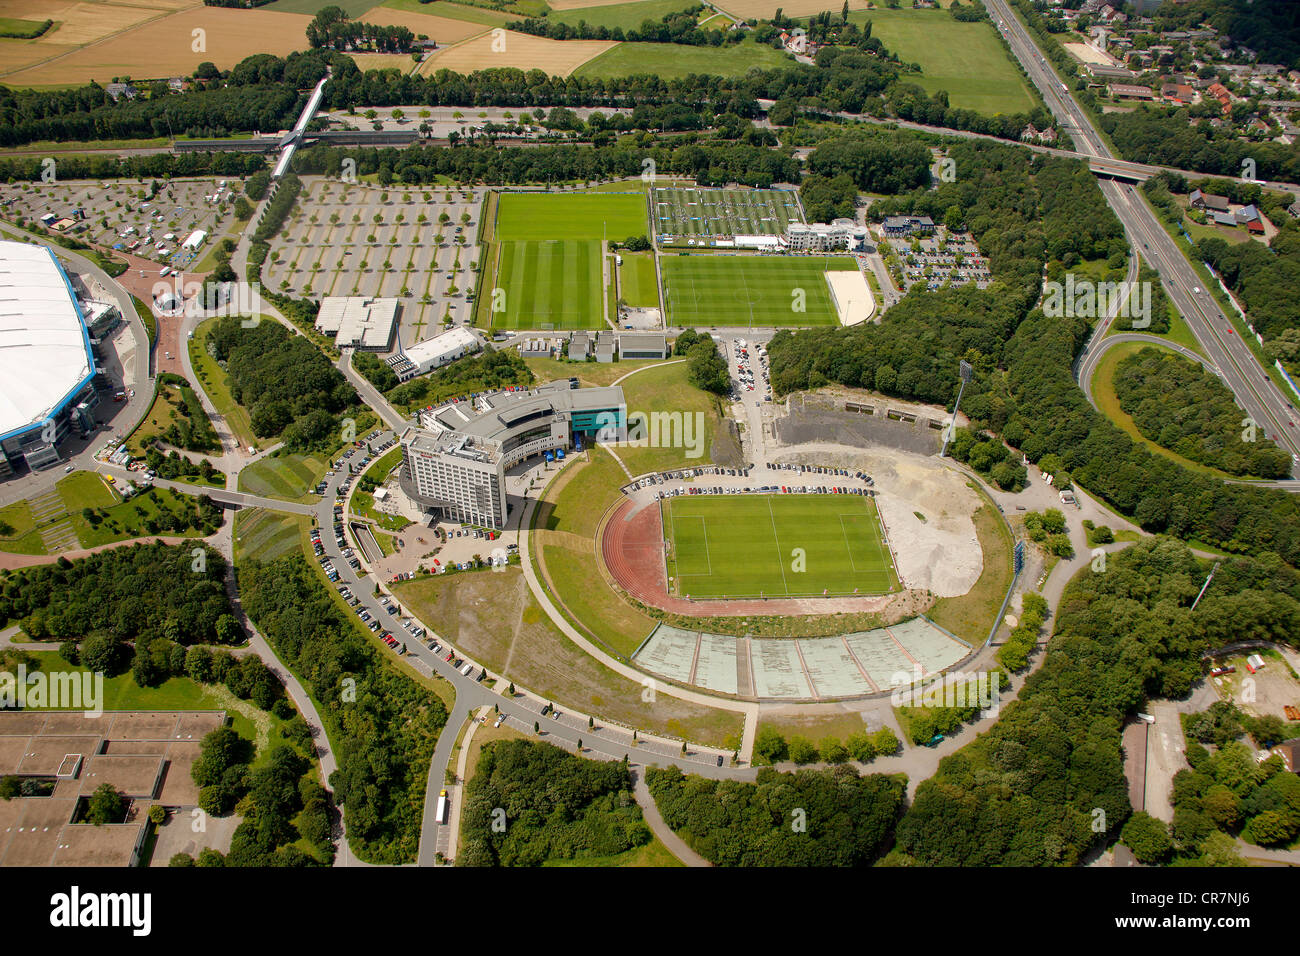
{"x":44,"y":347}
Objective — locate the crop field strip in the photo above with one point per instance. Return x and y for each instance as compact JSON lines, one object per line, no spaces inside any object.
{"x":723,"y":212}
{"x":776,"y":546}
{"x":743,"y":290}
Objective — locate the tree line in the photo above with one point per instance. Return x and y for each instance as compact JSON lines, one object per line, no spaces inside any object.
{"x":530,"y":802}
{"x":680,"y":26}
{"x":383,"y":725}
{"x":1179,"y":405}
{"x":1046,"y":783}
{"x":832,"y":817}
{"x":333,"y":29}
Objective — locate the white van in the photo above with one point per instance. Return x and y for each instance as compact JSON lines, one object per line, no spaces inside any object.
{"x":466,"y":669}
{"x":165,"y":272}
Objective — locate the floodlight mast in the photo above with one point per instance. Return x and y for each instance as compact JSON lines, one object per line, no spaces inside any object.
{"x":965,"y":372}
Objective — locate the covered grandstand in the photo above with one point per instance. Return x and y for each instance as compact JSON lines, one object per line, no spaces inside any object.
{"x":46,"y":362}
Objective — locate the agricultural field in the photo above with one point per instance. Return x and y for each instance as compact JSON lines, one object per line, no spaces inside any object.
{"x":443,"y":30}
{"x":625,"y":15}
{"x":636,"y":281}
{"x":776,"y":546}
{"x":516,"y":50}
{"x":682,"y":213}
{"x":161,"y":46}
{"x":750,"y":291}
{"x":965,"y":59}
{"x":584,"y":216}
{"x":676,"y":60}
{"x":550,"y":285}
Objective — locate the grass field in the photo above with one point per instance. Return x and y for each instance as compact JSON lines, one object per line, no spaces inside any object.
{"x":713,"y":291}
{"x":213,"y":381}
{"x":454,"y":11}
{"x":550,"y":285}
{"x":683,"y":212}
{"x":588,"y":373}
{"x":580,"y":216}
{"x":637,"y":285}
{"x":668,"y":388}
{"x":515,"y":50}
{"x":776,"y":545}
{"x":970,"y":615}
{"x":966,"y":59}
{"x":287,"y":476}
{"x":625,"y":15}
{"x":675,"y":60}
{"x":264,"y":535}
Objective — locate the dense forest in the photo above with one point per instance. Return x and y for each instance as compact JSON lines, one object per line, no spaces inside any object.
{"x":831,"y":817}
{"x":332,"y":29}
{"x":529,"y":802}
{"x":1152,"y":135}
{"x":1265,"y":277}
{"x":382,"y":724}
{"x":1023,"y":210}
{"x":1272,"y":30}
{"x":1181,"y":406}
{"x":1047,"y":781}
{"x":128,"y":592}
{"x":289,"y":388}
{"x":680,"y":26}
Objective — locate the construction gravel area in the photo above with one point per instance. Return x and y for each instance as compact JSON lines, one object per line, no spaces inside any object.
{"x":940,"y":552}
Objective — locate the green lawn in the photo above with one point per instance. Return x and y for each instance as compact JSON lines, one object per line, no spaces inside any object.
{"x":22,"y":29}
{"x":452,"y":11}
{"x":966,"y":59}
{"x":129,"y":519}
{"x":653,"y":853}
{"x":625,"y":15}
{"x":18,"y":530}
{"x":671,"y":61}
{"x":759,"y":291}
{"x":580,"y":216}
{"x":264,"y":535}
{"x":353,"y":8}
{"x":775,"y":545}
{"x":667,"y":389}
{"x":637,"y":285}
{"x":287,"y":476}
{"x":588,"y":373}
{"x":550,"y":285}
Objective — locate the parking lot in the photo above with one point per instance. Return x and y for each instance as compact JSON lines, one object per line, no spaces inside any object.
{"x":944,"y":257}
{"x":149,"y":218}
{"x":355,"y":239}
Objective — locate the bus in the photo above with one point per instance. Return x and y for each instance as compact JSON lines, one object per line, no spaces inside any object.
{"x":441,"y":812}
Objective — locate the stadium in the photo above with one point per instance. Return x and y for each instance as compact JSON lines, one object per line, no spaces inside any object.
{"x":46,"y":363}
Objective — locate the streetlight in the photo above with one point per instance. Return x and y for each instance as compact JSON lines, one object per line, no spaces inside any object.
{"x":965,"y":372}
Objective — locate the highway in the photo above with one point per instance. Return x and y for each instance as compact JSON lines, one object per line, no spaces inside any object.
{"x":1255,"y":391}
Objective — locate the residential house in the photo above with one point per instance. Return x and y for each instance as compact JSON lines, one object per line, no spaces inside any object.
{"x":1209,"y":201}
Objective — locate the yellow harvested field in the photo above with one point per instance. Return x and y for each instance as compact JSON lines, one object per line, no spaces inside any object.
{"x":76,"y":23}
{"x":764,"y":9}
{"x":518,"y":50}
{"x":442,"y":30}
{"x":163,"y":48}
{"x":16,"y":54}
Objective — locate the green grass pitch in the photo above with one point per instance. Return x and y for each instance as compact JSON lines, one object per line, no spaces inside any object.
{"x":582,"y":216}
{"x":550,"y":285}
{"x":740,"y":546}
{"x":733,"y":291}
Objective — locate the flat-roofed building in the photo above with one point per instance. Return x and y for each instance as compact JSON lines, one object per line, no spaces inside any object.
{"x":643,"y":345}
{"x":443,"y":349}
{"x":821,"y":236}
{"x":357,"y":322}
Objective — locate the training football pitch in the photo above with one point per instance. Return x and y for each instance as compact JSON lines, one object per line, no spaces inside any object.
{"x":585,"y":216}
{"x":762,"y":291}
{"x":549,"y":285}
{"x":741,"y":546}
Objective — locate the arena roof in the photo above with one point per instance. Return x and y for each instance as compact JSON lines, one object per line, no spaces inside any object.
{"x":45,"y":356}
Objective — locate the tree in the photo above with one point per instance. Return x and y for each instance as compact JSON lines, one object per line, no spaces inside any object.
{"x":106,"y":805}
{"x":158,"y":814}
{"x":1148,"y":838}
{"x":1271,"y":828}
{"x":770,"y":745}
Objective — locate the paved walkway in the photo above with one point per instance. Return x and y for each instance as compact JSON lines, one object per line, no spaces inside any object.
{"x":655,"y":821}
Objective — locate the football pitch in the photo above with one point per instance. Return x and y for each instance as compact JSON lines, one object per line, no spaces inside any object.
{"x":584,"y":216}
{"x":549,"y":285}
{"x":762,"y":291}
{"x":743,"y":546}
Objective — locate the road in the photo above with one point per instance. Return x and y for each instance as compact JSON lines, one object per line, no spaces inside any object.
{"x":1255,"y":391}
